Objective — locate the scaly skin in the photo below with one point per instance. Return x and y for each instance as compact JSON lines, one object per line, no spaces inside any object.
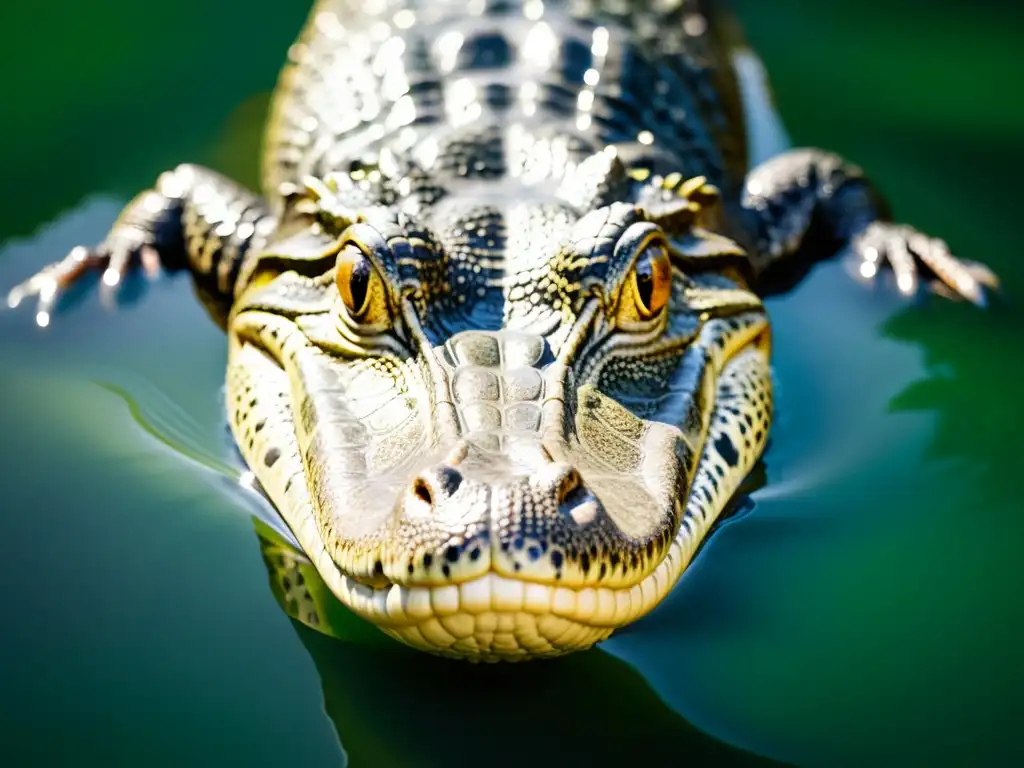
{"x":496,"y":348}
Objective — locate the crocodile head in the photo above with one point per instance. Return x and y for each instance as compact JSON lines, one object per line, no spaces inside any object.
{"x":499,"y":430}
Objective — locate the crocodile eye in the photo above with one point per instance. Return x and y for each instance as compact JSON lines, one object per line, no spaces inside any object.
{"x":357,"y":280}
{"x":652,"y":280}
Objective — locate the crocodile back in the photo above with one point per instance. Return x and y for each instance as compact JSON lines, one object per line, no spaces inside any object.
{"x":480,"y":90}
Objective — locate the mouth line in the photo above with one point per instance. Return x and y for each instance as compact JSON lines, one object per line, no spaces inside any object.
{"x":398,"y":606}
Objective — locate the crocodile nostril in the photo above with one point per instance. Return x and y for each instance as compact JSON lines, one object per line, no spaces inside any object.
{"x":576,"y":500}
{"x":448,"y":480}
{"x":421,"y":491}
{"x":436,"y":484}
{"x":570,"y":485}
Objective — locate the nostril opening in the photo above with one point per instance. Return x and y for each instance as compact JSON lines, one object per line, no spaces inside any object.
{"x":449,"y":480}
{"x":576,"y":497}
{"x":571,"y":485}
{"x":421,"y":490}
{"x":436,"y":485}
{"x":576,"y":501}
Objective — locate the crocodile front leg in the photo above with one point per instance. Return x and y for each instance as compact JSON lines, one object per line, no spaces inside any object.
{"x":809,"y":203}
{"x":193,"y":219}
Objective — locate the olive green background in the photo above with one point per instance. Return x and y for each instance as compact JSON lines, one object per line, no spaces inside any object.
{"x":867,"y":610}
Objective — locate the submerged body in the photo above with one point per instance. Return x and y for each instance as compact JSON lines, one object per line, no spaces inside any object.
{"x":496,"y":347}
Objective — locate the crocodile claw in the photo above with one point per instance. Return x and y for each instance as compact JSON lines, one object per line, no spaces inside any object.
{"x":116,"y":256}
{"x":51,"y":281}
{"x":905,"y":249}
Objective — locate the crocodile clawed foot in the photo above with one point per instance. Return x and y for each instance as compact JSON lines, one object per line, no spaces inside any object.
{"x":51,"y":281}
{"x":905,"y":249}
{"x":116,"y":256}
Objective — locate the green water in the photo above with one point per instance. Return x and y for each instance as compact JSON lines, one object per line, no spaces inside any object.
{"x":866,"y":611}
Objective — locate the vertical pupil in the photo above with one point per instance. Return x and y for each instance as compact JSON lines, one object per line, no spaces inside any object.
{"x":359,"y":283}
{"x":645,"y":281}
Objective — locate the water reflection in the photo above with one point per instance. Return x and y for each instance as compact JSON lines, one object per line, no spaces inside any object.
{"x":394,"y":706}
{"x":971,"y":404}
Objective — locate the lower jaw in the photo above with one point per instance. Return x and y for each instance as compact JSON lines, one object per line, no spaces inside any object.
{"x":496,"y":618}
{"x":499,"y":636}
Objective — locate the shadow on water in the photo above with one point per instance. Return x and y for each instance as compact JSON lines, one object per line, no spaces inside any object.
{"x":394,"y":706}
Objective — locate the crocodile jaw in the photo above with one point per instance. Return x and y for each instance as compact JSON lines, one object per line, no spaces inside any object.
{"x":483,"y":609}
{"x":494,"y":617}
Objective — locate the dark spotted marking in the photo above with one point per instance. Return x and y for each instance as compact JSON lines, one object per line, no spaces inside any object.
{"x":271,"y":457}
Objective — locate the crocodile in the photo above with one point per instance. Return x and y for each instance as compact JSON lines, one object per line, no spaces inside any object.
{"x":497,"y":346}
